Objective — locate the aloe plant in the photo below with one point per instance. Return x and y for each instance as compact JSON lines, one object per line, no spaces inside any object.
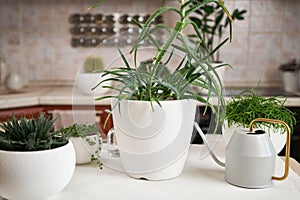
{"x":30,"y":134}
{"x":195,"y":69}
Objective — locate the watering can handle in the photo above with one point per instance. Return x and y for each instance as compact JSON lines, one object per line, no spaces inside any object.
{"x":287,"y":148}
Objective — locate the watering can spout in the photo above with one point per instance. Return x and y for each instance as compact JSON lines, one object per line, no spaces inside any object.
{"x":212,"y":154}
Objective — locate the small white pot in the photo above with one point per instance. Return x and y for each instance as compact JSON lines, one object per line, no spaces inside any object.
{"x":83,"y":149}
{"x":154,"y":144}
{"x":290,"y":81}
{"x":86,"y":81}
{"x":278,"y":139}
{"x":36,"y":174}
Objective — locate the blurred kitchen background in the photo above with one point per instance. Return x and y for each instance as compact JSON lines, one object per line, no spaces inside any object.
{"x":35,"y":37}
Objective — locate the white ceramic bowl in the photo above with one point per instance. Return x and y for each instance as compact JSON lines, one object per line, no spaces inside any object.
{"x":36,"y":174}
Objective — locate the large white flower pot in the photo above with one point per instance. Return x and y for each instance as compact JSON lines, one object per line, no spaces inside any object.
{"x":36,"y":174}
{"x":278,"y":138}
{"x":153,"y":144}
{"x":83,"y":149}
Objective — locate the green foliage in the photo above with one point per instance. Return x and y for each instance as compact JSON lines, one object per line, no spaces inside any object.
{"x":30,"y":134}
{"x":212,"y":21}
{"x":89,"y":133}
{"x":79,"y":130}
{"x":92,"y":64}
{"x":246,"y":106}
{"x":153,"y":84}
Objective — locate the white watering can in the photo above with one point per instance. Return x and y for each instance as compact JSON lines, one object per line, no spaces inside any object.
{"x":250,"y":156}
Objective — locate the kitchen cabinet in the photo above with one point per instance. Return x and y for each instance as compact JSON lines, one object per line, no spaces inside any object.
{"x":34,"y":111}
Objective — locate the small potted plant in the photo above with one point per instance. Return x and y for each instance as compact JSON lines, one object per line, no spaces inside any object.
{"x":290,"y":75}
{"x":246,"y":106}
{"x":35,"y":161}
{"x":86,"y":140}
{"x":153,"y":100}
{"x":87,"y":78}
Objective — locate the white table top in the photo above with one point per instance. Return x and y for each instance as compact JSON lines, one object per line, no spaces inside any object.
{"x":201,"y":179}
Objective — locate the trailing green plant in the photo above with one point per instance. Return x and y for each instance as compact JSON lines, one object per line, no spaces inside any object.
{"x":194,"y":70}
{"x":212,"y":22}
{"x":90,"y":134}
{"x":247,"y":105}
{"x":33,"y":134}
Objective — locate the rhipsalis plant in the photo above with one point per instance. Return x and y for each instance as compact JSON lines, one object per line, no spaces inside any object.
{"x":30,"y":134}
{"x":194,"y":70}
{"x":246,"y":106}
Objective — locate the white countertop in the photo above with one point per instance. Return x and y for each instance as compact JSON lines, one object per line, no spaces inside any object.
{"x":201,"y":179}
{"x":65,"y":95}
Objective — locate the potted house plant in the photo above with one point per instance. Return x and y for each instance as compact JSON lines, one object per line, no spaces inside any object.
{"x":87,"y":79}
{"x":35,"y":162}
{"x":86,"y":140}
{"x":153,"y":101}
{"x":212,"y":22}
{"x":246,"y":106}
{"x":290,"y":71}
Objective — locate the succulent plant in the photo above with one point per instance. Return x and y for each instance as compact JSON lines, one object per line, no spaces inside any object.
{"x":92,"y":64}
{"x":30,"y":134}
{"x":147,"y":82}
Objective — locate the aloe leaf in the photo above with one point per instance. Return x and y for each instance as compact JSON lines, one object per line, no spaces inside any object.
{"x":96,"y":4}
{"x":197,"y":6}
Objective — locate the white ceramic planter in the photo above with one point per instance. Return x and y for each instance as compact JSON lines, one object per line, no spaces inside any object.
{"x":36,"y":175}
{"x":83,"y":149}
{"x":86,"y":81}
{"x":278,"y":139}
{"x":154,"y":144}
{"x":290,"y":81}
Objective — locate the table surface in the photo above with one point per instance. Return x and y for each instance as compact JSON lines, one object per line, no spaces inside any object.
{"x":201,"y":179}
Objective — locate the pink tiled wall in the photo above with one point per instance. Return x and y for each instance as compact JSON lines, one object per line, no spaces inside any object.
{"x":35,"y":39}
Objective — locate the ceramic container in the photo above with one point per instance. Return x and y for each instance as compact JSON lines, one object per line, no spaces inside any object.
{"x":36,"y":175}
{"x":15,"y":82}
{"x":83,"y":149}
{"x":153,"y":143}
